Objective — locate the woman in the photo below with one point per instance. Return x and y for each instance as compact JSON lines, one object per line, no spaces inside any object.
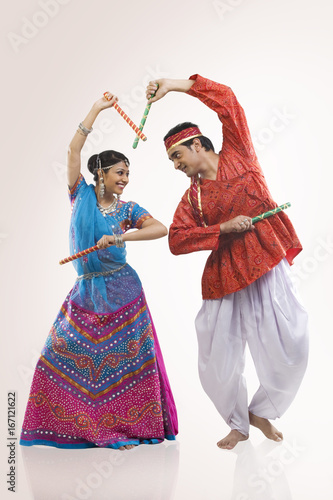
{"x":101,"y":380}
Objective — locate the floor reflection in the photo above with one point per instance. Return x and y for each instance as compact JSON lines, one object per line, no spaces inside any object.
{"x":260,"y":471}
{"x":144,"y":473}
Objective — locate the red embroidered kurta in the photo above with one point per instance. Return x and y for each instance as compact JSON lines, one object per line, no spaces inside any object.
{"x":237,"y":259}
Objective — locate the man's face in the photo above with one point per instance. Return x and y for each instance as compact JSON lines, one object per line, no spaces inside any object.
{"x":186,"y":159}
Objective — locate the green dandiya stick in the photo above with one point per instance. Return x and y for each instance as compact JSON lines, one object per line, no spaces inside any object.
{"x":271,"y":212}
{"x":143,"y":120}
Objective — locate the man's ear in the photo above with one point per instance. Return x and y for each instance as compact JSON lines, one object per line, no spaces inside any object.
{"x":197,"y":144}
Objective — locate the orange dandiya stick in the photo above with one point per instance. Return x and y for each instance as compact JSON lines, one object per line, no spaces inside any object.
{"x":78,"y":255}
{"x":127,"y":118}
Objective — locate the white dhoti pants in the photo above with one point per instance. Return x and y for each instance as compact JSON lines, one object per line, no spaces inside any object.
{"x":268,"y":315}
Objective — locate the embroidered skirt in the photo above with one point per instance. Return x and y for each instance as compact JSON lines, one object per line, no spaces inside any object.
{"x":100,"y":381}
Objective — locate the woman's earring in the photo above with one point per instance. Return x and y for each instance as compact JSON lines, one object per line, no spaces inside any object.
{"x":101,"y":186}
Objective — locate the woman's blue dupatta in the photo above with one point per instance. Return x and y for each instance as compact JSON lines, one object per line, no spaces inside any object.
{"x":87,"y":226}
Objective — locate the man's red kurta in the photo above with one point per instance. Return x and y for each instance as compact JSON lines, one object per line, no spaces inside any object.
{"x":237,"y":259}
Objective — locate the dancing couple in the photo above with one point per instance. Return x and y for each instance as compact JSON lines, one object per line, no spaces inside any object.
{"x":101,"y":379}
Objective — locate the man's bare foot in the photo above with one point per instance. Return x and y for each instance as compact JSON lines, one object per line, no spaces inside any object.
{"x":266,"y":427}
{"x":230,"y":441}
{"x":127,"y":447}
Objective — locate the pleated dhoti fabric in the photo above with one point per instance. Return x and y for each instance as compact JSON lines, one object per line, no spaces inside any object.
{"x":268,"y":315}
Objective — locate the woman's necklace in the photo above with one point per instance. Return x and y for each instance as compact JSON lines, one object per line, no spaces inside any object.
{"x":109,"y":209}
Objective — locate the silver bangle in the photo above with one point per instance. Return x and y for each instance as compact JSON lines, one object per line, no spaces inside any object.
{"x":118,"y":239}
{"x":84,"y":129}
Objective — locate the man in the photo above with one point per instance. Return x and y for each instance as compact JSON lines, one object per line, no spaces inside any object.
{"x":247,"y":292}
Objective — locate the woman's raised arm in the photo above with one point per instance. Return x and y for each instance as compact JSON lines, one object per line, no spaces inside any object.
{"x":77,"y":143}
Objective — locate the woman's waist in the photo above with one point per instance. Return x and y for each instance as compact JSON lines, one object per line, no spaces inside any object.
{"x":105,"y":270}
{"x":95,"y":262}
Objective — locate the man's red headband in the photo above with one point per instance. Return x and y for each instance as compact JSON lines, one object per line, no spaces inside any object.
{"x":183,"y":136}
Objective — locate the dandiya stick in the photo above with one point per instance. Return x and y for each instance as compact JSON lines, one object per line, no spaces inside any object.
{"x":270,"y":212}
{"x":127,"y":119}
{"x":143,"y":120}
{"x":79,"y":254}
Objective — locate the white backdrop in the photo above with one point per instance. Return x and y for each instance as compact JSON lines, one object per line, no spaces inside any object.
{"x":58,"y":57}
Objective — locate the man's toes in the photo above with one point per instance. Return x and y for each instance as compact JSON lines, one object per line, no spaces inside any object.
{"x":221,"y":444}
{"x":225,"y":445}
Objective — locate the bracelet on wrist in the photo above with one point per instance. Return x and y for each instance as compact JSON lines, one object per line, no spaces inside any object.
{"x":118,"y":239}
{"x":84,"y":129}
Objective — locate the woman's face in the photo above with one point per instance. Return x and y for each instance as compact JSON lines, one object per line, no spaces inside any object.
{"x":117,"y":178}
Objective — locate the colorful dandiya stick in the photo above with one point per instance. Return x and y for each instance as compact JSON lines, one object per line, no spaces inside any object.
{"x":126,"y":118}
{"x":270,"y":212}
{"x":79,"y":254}
{"x":143,"y":120}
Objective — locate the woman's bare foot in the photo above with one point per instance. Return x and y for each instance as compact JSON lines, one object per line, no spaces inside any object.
{"x":230,"y":441}
{"x":127,"y":447}
{"x":266,"y":427}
